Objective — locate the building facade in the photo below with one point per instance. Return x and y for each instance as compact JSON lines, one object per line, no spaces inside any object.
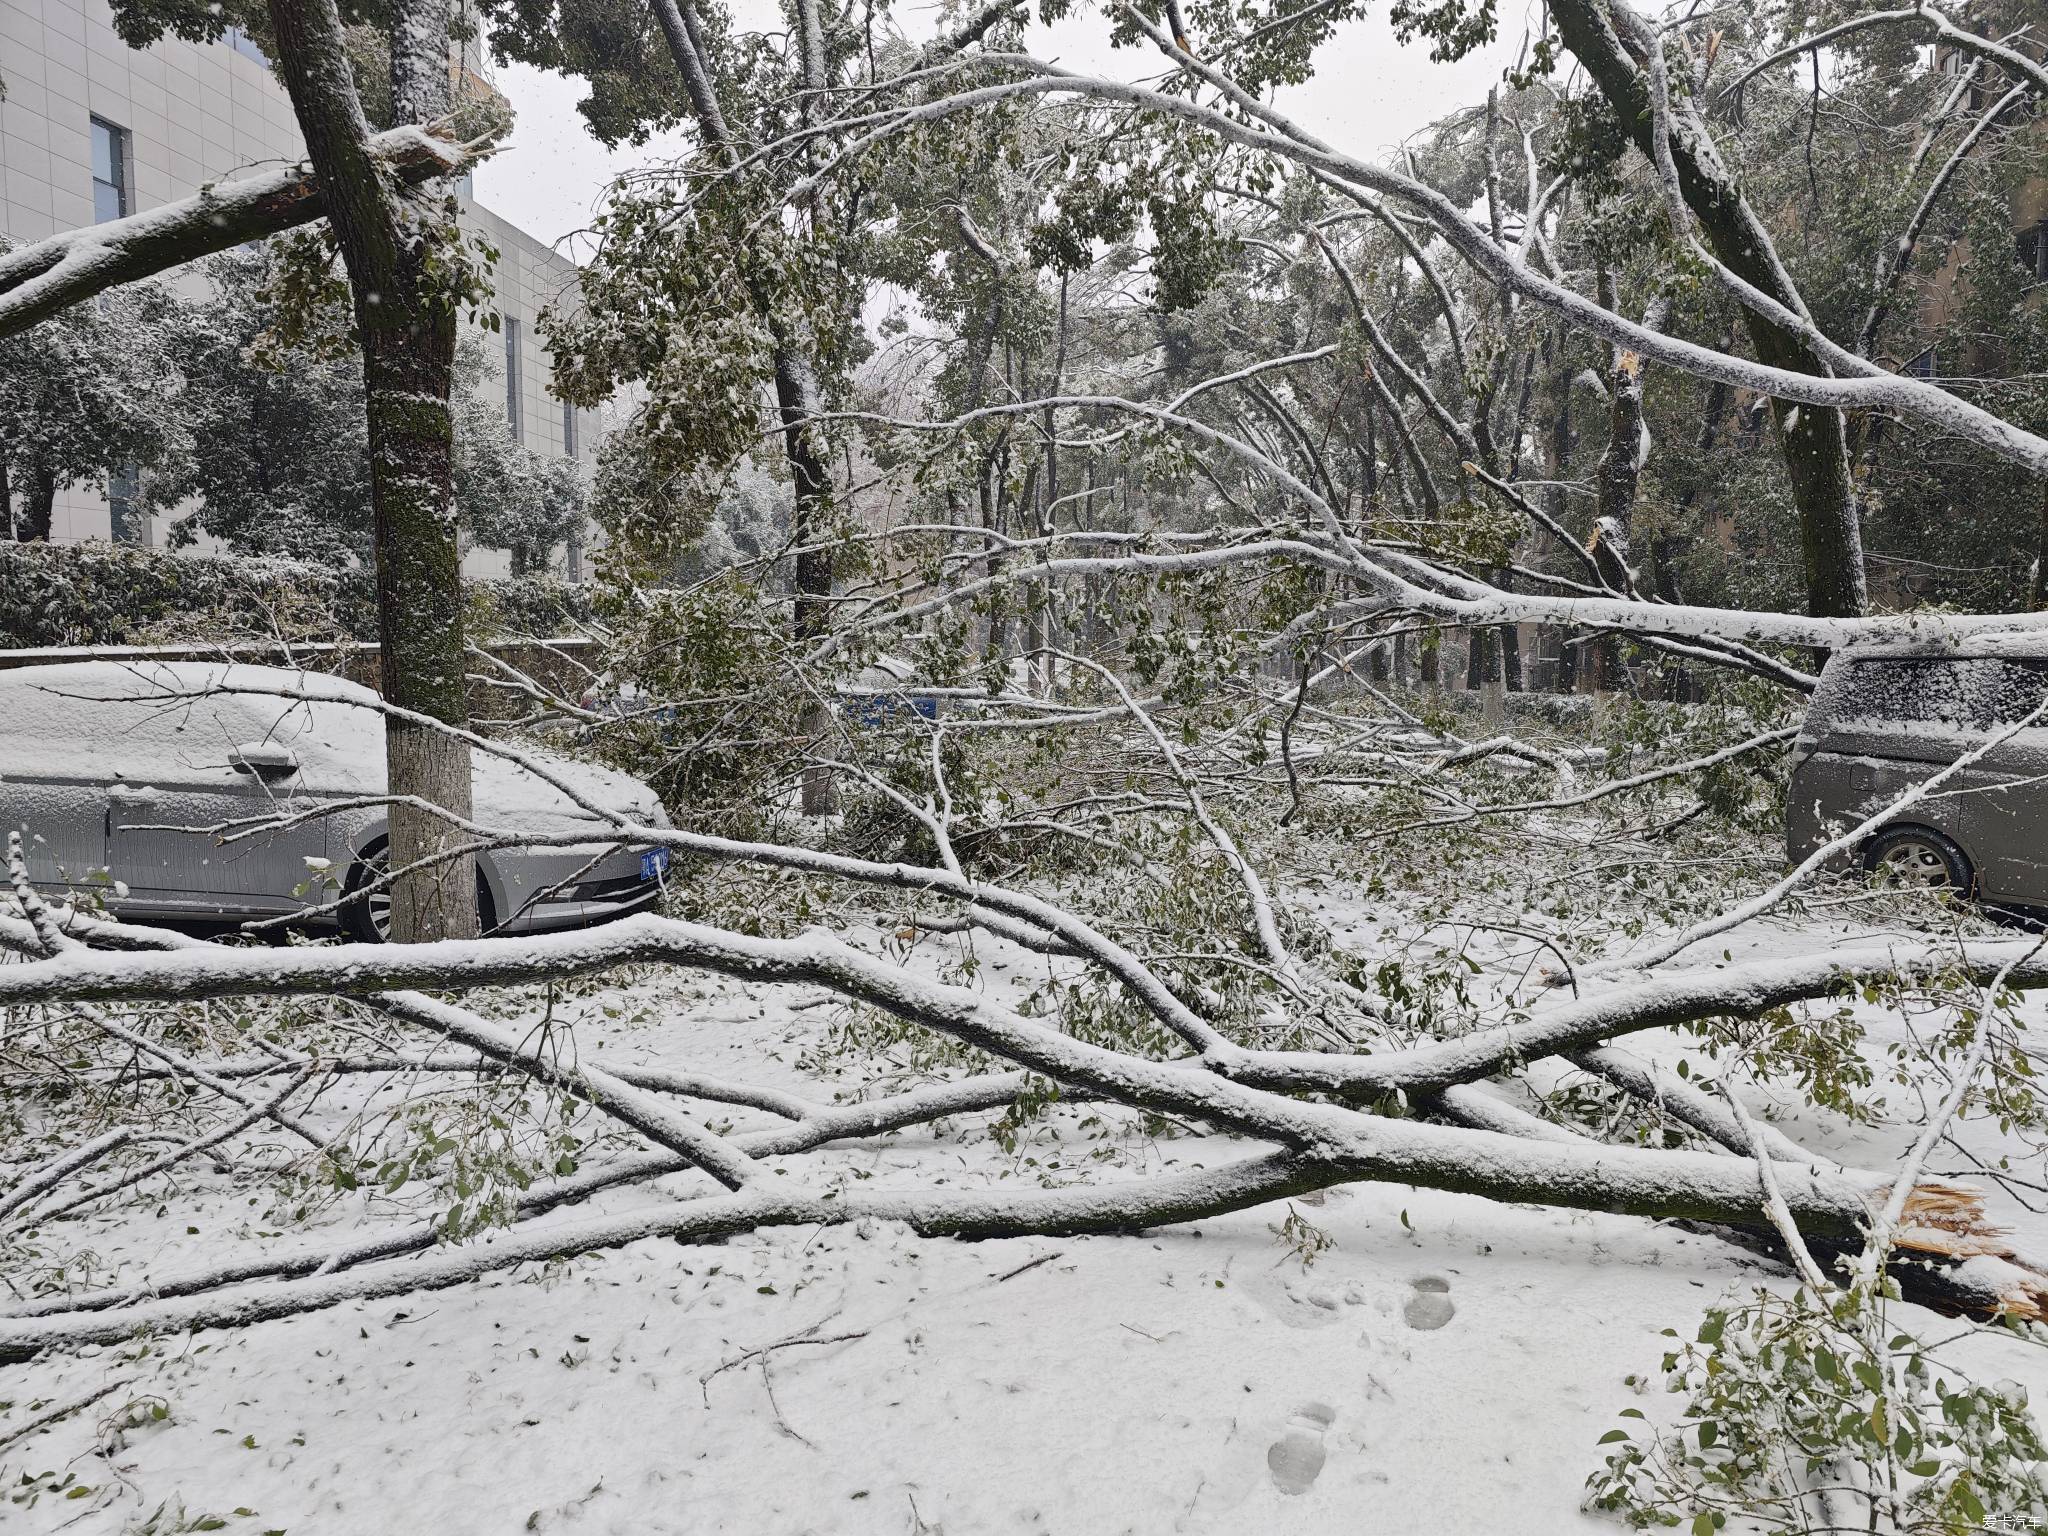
{"x":91,"y":130}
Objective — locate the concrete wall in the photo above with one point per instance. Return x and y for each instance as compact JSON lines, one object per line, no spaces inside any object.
{"x":195,"y":113}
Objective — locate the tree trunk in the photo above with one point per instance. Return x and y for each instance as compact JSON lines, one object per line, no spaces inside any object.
{"x":811,"y":481}
{"x":1559,"y":439}
{"x":1485,"y":673}
{"x":408,"y":342}
{"x":1618,"y":479}
{"x":1668,"y":548}
{"x":1813,"y":438}
{"x":38,"y":506}
{"x":1048,"y":503}
{"x":796,"y":400}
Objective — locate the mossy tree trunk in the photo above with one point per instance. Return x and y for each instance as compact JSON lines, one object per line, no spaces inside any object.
{"x":38,"y":506}
{"x":407,"y":327}
{"x":1812,"y":439}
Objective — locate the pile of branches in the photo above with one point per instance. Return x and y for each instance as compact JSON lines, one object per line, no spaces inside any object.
{"x":1369,"y":1102}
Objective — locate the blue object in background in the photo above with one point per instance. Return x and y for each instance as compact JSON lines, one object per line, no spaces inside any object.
{"x":872,"y":710}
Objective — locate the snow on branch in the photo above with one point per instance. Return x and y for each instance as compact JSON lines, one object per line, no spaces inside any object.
{"x":38,"y":280}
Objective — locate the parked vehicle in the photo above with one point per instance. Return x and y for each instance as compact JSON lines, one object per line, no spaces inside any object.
{"x":109,"y":768}
{"x":879,"y":694}
{"x":1887,"y":717}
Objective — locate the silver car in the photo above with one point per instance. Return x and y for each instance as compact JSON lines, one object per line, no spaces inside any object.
{"x":1887,"y":717}
{"x":109,"y":768}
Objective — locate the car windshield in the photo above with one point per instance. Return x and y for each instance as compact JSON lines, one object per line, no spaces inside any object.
{"x":1960,"y":694}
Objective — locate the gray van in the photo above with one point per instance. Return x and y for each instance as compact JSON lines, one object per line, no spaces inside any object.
{"x":1886,"y":717}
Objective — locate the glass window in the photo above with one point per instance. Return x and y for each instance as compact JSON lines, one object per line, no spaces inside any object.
{"x":512,"y":383}
{"x":1969,"y":694}
{"x":125,"y":523}
{"x":109,"y":171}
{"x":568,"y":430}
{"x":245,"y":45}
{"x":2031,"y":247}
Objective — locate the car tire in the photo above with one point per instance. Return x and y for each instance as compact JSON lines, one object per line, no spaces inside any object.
{"x":1920,"y":858}
{"x":367,"y":920}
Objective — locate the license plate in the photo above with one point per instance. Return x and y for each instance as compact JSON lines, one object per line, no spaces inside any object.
{"x":652,"y":863}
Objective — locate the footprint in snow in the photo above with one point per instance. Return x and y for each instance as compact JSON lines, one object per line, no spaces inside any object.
{"x":1430,"y":1307}
{"x":1296,"y":1458}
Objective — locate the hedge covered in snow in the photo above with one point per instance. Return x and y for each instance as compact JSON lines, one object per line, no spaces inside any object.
{"x":111,"y":594}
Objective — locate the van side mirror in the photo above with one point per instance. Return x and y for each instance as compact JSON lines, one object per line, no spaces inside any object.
{"x":266,"y":759}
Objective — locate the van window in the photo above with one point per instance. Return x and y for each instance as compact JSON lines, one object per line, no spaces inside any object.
{"x":1973,"y":694}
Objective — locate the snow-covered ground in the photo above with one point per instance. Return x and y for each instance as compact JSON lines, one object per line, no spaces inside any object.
{"x":1447,"y":1364}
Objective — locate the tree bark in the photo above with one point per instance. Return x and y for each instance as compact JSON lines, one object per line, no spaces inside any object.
{"x":408,"y":344}
{"x":38,"y":506}
{"x":796,"y":400}
{"x":1618,"y":479}
{"x":811,"y":482}
{"x":1813,"y":438}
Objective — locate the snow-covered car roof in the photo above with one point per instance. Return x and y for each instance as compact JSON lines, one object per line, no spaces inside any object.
{"x":130,"y":715}
{"x":884,"y":673}
{"x":2012,"y":644}
{"x":132,"y":719}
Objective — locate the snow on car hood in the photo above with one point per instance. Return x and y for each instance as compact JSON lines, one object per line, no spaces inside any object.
{"x":507,"y":795}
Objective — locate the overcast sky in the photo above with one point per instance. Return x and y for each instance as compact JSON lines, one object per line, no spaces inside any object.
{"x":1368,"y":94}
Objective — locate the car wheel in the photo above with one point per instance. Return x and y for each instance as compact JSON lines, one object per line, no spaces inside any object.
{"x":367,"y":920}
{"x":1919,"y":858}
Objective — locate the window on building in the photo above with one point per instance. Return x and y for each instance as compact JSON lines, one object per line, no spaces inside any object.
{"x":1921,"y":366}
{"x":245,"y":45}
{"x":512,"y":376}
{"x":569,"y":443}
{"x":109,"y":171}
{"x":125,"y":523}
{"x":2032,"y":250}
{"x":1955,"y":64}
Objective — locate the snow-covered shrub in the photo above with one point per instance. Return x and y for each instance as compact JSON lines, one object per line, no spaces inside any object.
{"x":105,"y":594}
{"x":91,"y":391}
{"x":541,"y":605}
{"x":112,"y":594}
